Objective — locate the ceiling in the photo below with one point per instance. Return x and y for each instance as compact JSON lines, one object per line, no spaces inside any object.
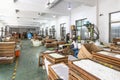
{"x":36,"y":12}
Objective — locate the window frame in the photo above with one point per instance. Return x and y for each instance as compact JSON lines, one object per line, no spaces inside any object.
{"x":110,"y":23}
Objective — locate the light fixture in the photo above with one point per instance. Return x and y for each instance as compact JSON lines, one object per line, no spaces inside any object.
{"x":54,"y":16}
{"x":15,"y":1}
{"x":18,"y":17}
{"x":101,"y":14}
{"x":34,"y":18}
{"x":69,"y":6}
{"x":39,"y":13}
{"x":17,"y":10}
{"x":52,"y":3}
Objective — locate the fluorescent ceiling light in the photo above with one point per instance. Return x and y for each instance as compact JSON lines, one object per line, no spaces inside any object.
{"x":54,"y":16}
{"x":69,"y":6}
{"x":15,"y":1}
{"x":52,"y":3}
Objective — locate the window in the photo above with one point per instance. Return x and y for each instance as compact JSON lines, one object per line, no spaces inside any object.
{"x":53,"y":31}
{"x":81,"y":29}
{"x":0,"y":31}
{"x":63,"y":30}
{"x":114,"y":25}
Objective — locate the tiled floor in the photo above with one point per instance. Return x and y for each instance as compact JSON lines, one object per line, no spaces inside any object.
{"x":27,"y":65}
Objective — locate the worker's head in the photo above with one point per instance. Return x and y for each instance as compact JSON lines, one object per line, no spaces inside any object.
{"x":68,"y":34}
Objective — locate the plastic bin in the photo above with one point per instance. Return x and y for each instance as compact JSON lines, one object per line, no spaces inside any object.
{"x":17,"y":53}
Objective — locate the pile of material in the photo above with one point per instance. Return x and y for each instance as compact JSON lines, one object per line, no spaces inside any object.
{"x":36,"y":42}
{"x":7,"y":52}
{"x":86,"y":50}
{"x":115,"y":45}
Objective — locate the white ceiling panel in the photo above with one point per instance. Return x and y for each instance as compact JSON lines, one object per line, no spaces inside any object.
{"x":35,"y":12}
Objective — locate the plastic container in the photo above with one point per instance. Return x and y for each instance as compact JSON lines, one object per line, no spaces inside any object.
{"x":17,"y":53}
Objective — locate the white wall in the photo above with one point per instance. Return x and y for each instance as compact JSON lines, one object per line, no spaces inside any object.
{"x":2,"y":24}
{"x":52,"y":23}
{"x":57,"y":22}
{"x":60,"y":20}
{"x":76,"y":14}
{"x":44,"y":26}
{"x":106,"y":7}
{"x":83,"y":12}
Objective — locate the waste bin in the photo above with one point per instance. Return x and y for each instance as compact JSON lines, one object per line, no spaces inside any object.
{"x":17,"y":50}
{"x":17,"y":53}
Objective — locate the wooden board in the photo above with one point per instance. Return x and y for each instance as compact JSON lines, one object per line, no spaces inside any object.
{"x":50,"y":45}
{"x":109,"y":58}
{"x":56,"y":71}
{"x":91,"y":71}
{"x":7,"y":50}
{"x":54,"y":60}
